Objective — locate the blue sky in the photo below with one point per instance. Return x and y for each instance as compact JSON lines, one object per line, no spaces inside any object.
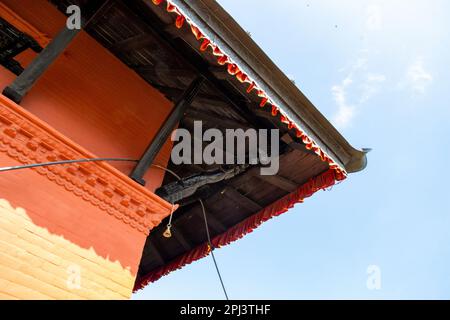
{"x":376,"y":69}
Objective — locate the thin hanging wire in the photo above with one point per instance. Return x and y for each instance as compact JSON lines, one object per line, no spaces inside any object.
{"x":212,"y":249}
{"x":169,"y":225}
{"x":168,"y":232}
{"x":168,"y":170}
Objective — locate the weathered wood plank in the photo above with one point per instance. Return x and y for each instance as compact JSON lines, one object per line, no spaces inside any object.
{"x":217,"y":121}
{"x":242,"y":200}
{"x":178,"y":235}
{"x":280,"y":182}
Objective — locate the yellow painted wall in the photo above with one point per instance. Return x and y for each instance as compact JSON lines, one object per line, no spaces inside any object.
{"x":35,"y":264}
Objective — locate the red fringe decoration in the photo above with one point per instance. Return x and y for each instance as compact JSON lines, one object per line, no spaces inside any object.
{"x":263,"y":102}
{"x":171,"y":7}
{"x":197,"y":33}
{"x":217,"y":52}
{"x":236,"y":232}
{"x":205,"y":44}
{"x":251,"y":87}
{"x":233,"y":69}
{"x":274,"y":111}
{"x":223,"y":60}
{"x":180,"y":21}
{"x":242,"y":77}
{"x":284,"y":119}
{"x":290,"y":125}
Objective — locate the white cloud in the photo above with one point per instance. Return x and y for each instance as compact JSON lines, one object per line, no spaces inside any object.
{"x":375,"y":78}
{"x":371,"y":86}
{"x":418,"y":78}
{"x":374,"y":18}
{"x":358,"y":86}
{"x":345,"y":111}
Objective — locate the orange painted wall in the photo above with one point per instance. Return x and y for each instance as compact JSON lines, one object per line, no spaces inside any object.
{"x":92,"y":97}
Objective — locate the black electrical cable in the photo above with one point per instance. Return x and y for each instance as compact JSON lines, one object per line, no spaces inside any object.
{"x":53,"y":163}
{"x":212,"y":249}
{"x":207,"y":232}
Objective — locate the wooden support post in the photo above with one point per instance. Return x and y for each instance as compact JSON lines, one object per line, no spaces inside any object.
{"x":166,"y":129}
{"x":17,"y":90}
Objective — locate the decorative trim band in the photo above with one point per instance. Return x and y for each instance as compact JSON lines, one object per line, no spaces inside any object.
{"x":27,"y":139}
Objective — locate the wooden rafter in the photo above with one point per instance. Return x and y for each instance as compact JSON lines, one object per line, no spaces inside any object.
{"x":155,"y":253}
{"x":135,"y":42}
{"x":241,"y":200}
{"x":296,"y":145}
{"x":178,"y":235}
{"x":280,"y":182}
{"x":221,"y":122}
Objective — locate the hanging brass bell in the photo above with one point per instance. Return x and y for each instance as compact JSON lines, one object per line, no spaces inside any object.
{"x":167,"y":233}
